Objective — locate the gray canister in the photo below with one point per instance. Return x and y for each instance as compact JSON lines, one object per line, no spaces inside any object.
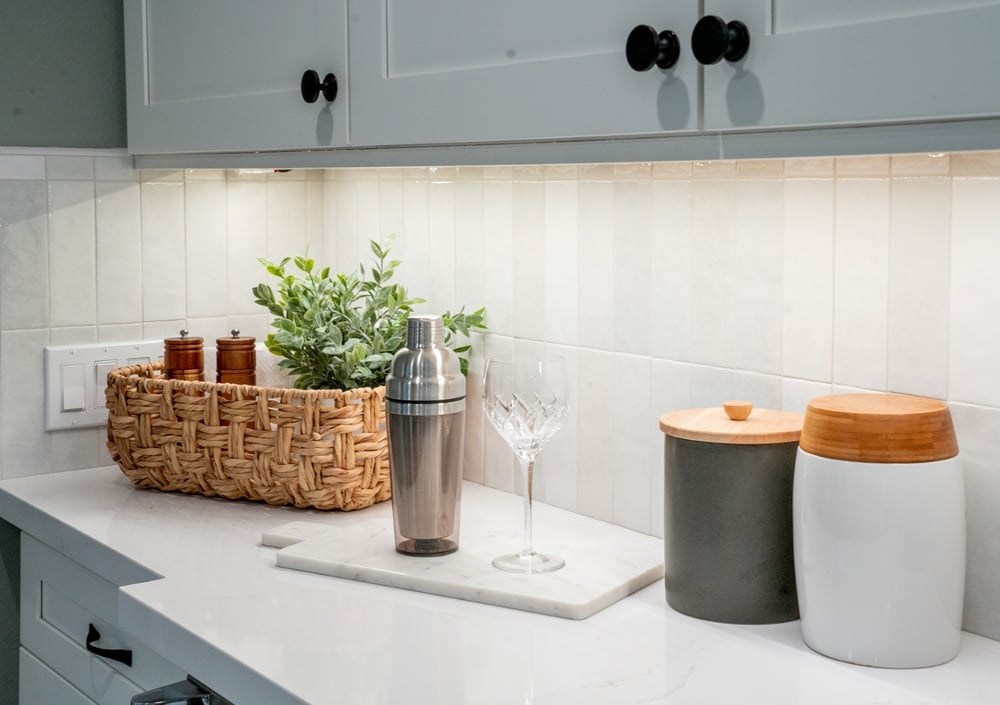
{"x":728,"y":550}
{"x":425,"y":403}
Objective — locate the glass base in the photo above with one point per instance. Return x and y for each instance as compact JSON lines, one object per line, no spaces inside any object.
{"x":528,"y":562}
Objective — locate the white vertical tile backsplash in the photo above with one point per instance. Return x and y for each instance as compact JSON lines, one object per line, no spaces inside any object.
{"x":163,"y":260}
{"x":205,"y":250}
{"x":974,"y":342}
{"x":560,"y":259}
{"x":24,"y":259}
{"x":119,"y":247}
{"x":807,"y":297}
{"x":919,"y":286}
{"x":72,"y":254}
{"x":246,"y":240}
{"x":670,"y":273}
{"x":665,"y":286}
{"x":631,"y":268}
{"x":861,"y":262}
{"x":595,"y":253}
{"x":528,"y":240}
{"x":498,"y":253}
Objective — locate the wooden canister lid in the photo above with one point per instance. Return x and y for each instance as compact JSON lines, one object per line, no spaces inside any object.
{"x":724,"y":425}
{"x":879,"y":428}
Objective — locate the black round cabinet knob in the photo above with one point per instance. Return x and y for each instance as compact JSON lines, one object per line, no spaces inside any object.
{"x":311,"y":86}
{"x":714,"y":39}
{"x":644,"y":47}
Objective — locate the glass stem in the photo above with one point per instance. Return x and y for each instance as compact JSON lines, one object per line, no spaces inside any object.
{"x":527,"y":478}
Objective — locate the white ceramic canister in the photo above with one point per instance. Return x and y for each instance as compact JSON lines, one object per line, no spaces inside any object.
{"x":879,"y":530}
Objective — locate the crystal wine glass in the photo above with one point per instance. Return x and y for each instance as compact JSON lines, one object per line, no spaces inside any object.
{"x":524,"y":397}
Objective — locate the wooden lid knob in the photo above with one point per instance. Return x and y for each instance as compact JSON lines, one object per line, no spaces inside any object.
{"x":738,"y":410}
{"x":879,"y":428}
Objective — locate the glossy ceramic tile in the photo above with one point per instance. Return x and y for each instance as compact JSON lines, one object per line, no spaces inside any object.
{"x":919,"y":286}
{"x":713,"y":270}
{"x":796,"y":393}
{"x":671,"y":271}
{"x":115,"y":168}
{"x":596,"y":390}
{"x":528,"y":271}
{"x":61,"y":168}
{"x":807,"y":298}
{"x":119,"y":250}
{"x":18,"y":166}
{"x":974,"y":343}
{"x":24,"y":271}
{"x":72,"y":256}
{"x":631,"y":268}
{"x":205,"y":248}
{"x":861,"y":260}
{"x":560,"y":259}
{"x":635,"y":436}
{"x":246,"y":240}
{"x":757,"y":268}
{"x":25,"y":447}
{"x":415,"y":238}
{"x":286,"y":222}
{"x":498,"y":255}
{"x":595,"y":261}
{"x":440,"y":291}
{"x":470,"y":246}
{"x":163,"y":274}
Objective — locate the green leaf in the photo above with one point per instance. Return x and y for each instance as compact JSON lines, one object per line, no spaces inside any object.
{"x":342,"y":330}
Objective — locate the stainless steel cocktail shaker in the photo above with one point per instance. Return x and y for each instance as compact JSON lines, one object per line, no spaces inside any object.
{"x":425,"y":401}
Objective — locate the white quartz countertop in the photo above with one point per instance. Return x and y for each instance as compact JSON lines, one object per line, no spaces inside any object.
{"x":263,"y":635}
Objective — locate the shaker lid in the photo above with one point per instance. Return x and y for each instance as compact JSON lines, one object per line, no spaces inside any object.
{"x":425,"y":370}
{"x":879,"y":428}
{"x":737,"y":422}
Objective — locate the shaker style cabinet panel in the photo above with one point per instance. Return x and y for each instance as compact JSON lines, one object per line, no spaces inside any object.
{"x":70,"y":642}
{"x":224,"y":75}
{"x":453,"y":71}
{"x":815,"y":63}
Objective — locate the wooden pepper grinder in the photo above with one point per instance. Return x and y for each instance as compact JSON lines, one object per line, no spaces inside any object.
{"x":184,"y":358}
{"x":236,"y":359}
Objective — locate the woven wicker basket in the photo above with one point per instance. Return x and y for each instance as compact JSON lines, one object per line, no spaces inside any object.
{"x":308,"y":448}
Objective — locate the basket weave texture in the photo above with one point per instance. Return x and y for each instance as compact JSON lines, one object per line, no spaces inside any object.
{"x":323,"y":448}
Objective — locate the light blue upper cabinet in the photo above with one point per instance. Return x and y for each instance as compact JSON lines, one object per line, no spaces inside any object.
{"x":224,"y":75}
{"x":454,"y":71}
{"x":851,"y":62}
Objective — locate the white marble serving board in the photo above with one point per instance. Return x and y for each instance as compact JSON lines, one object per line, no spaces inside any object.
{"x":604,"y":562}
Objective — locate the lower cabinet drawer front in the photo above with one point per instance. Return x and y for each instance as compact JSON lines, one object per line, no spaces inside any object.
{"x":40,"y":685}
{"x":60,"y":599}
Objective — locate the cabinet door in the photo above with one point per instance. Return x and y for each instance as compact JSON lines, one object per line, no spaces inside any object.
{"x":815,"y":62}
{"x":453,"y":71}
{"x":224,"y":75}
{"x":40,"y":685}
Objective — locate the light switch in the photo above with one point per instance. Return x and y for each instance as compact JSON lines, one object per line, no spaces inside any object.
{"x":73,"y":389}
{"x":101,"y":370}
{"x":76,"y":376}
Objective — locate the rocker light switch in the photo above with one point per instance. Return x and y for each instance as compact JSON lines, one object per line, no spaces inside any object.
{"x":76,"y":375}
{"x":73,"y":390}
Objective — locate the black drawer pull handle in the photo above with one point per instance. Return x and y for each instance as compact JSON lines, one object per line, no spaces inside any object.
{"x":120,"y":655}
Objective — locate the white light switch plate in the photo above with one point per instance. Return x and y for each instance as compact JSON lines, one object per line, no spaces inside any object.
{"x":97,"y":360}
